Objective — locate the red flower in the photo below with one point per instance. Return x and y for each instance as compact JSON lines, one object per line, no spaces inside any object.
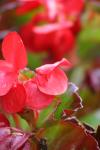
{"x":36,"y":93}
{"x":15,"y":59}
{"x":51,"y":79}
{"x":61,"y":24}
{"x":55,"y":38}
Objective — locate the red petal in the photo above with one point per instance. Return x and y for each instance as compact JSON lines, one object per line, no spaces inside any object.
{"x":14,"y":100}
{"x":35,"y":98}
{"x":27,"y":35}
{"x":52,"y":27}
{"x":51,"y":8}
{"x":45,"y":69}
{"x":54,"y":83}
{"x":14,"y":51}
{"x":3,"y":121}
{"x":62,"y":43}
{"x":74,"y":6}
{"x":5,"y":66}
{"x":6,"y":82}
{"x":7,"y":77}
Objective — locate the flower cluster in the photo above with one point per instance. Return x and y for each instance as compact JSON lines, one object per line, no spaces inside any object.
{"x":60,"y":24}
{"x":37,"y":92}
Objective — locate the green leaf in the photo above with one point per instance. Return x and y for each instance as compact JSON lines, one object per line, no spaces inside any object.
{"x":23,"y":123}
{"x":65,"y":103}
{"x":45,"y":114}
{"x":92,"y":119}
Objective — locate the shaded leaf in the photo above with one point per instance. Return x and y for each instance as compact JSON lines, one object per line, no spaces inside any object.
{"x":73,"y":135}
